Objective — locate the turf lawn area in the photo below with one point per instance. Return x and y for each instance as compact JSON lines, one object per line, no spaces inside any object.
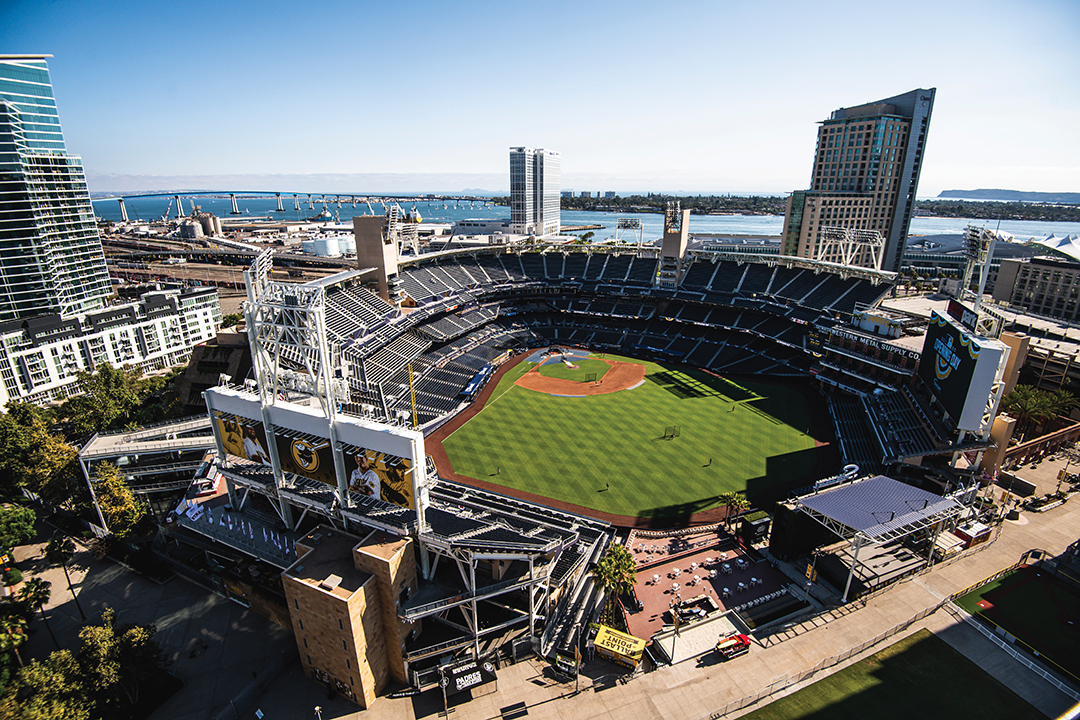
{"x":1035,"y":607}
{"x":571,"y":448}
{"x":558,"y":369}
{"x":920,"y":676}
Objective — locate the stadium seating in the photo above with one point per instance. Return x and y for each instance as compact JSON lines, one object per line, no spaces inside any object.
{"x":473,"y":306}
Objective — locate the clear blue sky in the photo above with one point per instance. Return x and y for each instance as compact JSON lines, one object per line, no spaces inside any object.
{"x":687,"y":96}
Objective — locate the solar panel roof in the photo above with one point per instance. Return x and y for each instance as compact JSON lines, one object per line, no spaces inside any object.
{"x":878,"y":506}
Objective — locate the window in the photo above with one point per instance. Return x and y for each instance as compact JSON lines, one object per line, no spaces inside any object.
{"x":344,"y":645}
{"x":305,"y":642}
{"x":296,"y":603}
{"x":301,"y":623}
{"x":340,"y":625}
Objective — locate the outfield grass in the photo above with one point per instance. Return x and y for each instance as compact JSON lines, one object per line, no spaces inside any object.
{"x":571,"y":448}
{"x":584,"y":366}
{"x":920,"y":676}
{"x":1038,"y":609}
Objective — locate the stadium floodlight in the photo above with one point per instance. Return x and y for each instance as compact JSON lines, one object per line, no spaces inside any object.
{"x":850,"y":244}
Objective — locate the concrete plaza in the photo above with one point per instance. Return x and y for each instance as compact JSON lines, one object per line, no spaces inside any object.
{"x":238,"y":643}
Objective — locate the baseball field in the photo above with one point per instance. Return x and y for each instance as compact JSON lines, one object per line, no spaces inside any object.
{"x":661,"y":448}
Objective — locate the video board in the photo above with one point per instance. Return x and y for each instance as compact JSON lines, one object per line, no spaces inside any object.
{"x":959,"y":370}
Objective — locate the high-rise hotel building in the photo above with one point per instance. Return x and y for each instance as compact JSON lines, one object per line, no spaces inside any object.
{"x":534,"y":191}
{"x":50,"y":255}
{"x":866,"y":172}
{"x":55,"y":317}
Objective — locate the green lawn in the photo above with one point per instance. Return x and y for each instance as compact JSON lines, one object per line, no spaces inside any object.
{"x":1037,"y":608}
{"x":584,"y":366}
{"x":571,"y":448}
{"x":920,"y":676}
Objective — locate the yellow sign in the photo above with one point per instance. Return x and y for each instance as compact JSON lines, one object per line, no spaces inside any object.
{"x":619,"y":645}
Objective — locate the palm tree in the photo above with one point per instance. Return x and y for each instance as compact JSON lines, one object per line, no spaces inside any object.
{"x":735,"y":504}
{"x":60,"y":550}
{"x":34,"y":594}
{"x":1029,"y":405}
{"x":739,"y":505}
{"x":616,"y":571}
{"x":12,"y":634}
{"x":726,"y":499}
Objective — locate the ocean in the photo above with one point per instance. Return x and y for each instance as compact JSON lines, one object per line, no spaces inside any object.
{"x":652,"y":223}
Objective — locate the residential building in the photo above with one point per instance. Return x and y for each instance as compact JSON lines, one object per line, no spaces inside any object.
{"x":610,"y":195}
{"x":534,"y":191}
{"x":864,"y":179}
{"x":55,"y":319}
{"x":41,"y":356}
{"x":50,"y":254}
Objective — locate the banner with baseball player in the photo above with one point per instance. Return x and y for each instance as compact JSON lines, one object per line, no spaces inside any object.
{"x":243,"y":437}
{"x":379,"y":475}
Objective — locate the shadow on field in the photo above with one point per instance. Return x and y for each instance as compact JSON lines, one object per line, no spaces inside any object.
{"x":679,"y":514}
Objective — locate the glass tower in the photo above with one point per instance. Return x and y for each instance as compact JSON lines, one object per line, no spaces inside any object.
{"x":50,"y":253}
{"x":534,"y":191}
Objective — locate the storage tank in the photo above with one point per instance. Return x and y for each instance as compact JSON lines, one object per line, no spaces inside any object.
{"x":327,"y":247}
{"x":347,"y":244}
{"x":308,"y":246}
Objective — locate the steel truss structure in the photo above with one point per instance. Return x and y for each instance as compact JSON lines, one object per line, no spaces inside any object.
{"x":876,"y":510}
{"x":850,"y":243}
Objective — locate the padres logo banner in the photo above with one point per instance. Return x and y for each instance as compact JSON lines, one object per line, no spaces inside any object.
{"x":308,"y":457}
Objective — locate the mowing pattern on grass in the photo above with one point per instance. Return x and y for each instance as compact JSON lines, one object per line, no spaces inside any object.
{"x":558,"y":369}
{"x":920,"y":676}
{"x":608,"y":453}
{"x":1037,"y":608}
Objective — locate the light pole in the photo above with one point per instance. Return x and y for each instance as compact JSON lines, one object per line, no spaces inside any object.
{"x":318,"y":711}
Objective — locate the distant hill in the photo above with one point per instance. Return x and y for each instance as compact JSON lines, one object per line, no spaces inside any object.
{"x":1012,"y":196}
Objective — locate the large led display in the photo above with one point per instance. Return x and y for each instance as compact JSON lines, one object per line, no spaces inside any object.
{"x":959,"y":370}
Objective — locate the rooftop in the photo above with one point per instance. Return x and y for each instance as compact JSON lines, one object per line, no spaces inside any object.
{"x":329,"y":565}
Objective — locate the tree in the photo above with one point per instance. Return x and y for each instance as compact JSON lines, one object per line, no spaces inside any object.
{"x":121,"y":511}
{"x":232,"y":319}
{"x":60,"y":550}
{"x":1030,"y":406}
{"x":48,"y":689}
{"x":32,"y":456}
{"x":12,"y":634}
{"x":16,"y":525}
{"x":616,"y":571}
{"x":117,"y":660}
{"x":735,"y":504}
{"x":110,"y":394}
{"x":33,"y":595}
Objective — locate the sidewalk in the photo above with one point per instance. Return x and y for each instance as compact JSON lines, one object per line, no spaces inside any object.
{"x":237,"y":641}
{"x":697,"y":688}
{"x":240,"y":642}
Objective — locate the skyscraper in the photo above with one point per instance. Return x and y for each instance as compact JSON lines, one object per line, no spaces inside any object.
{"x":534,"y":191}
{"x":866,"y":172}
{"x":50,"y":254}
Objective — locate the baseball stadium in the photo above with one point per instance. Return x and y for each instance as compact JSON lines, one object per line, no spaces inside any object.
{"x":474,"y":428}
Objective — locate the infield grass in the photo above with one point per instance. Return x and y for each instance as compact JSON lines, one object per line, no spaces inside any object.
{"x":920,"y":675}
{"x":585,"y":366}
{"x":608,"y":452}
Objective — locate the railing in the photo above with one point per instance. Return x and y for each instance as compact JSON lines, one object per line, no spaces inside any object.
{"x":1020,"y":657}
{"x":467,"y":596}
{"x":787,"y":681}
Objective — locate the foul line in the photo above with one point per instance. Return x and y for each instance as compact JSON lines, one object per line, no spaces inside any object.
{"x":489,"y":403}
